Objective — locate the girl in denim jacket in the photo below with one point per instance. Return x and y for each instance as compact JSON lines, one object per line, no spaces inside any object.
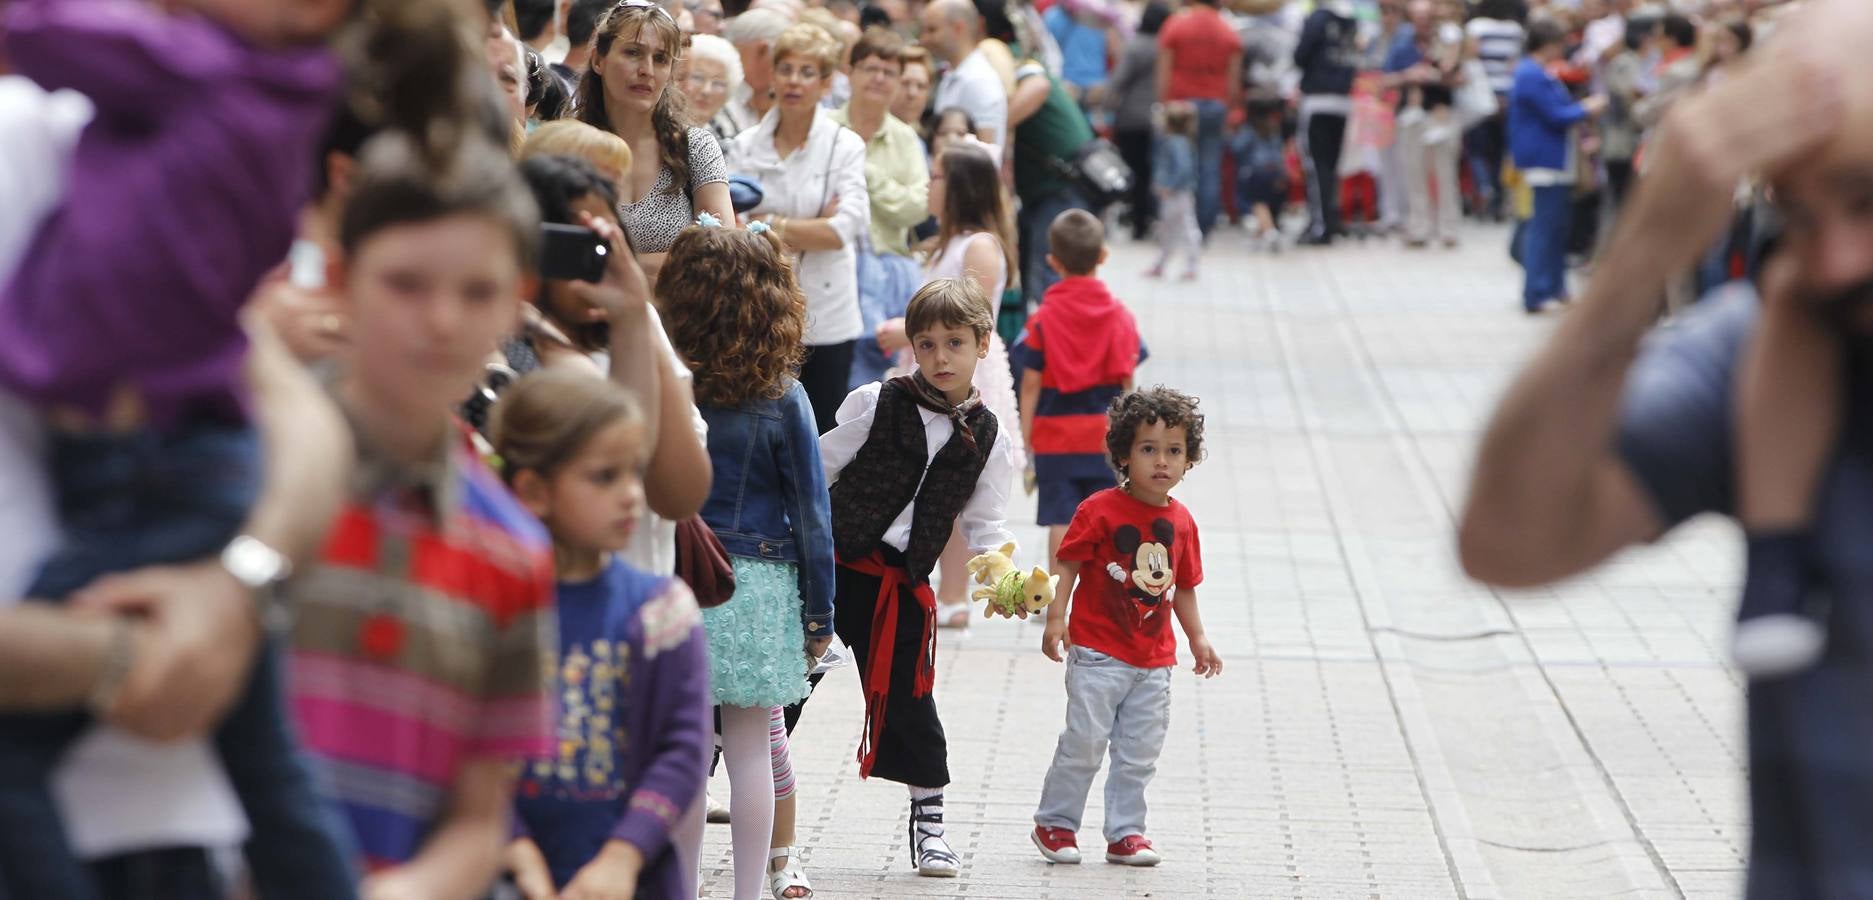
{"x":734,"y":310}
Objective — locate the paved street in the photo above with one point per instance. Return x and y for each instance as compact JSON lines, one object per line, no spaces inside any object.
{"x":1383,"y":728}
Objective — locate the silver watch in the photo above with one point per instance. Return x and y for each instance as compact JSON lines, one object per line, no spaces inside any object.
{"x":261,"y":569}
{"x":255,"y":564}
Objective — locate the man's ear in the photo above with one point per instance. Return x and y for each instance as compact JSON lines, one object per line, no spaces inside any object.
{"x":982,"y":346}
{"x":533,"y":492}
{"x":1104,"y":252}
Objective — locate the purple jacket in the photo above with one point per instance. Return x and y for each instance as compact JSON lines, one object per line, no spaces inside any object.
{"x":634,"y":731}
{"x":184,"y":191}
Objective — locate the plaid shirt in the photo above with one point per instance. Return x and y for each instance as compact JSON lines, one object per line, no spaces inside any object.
{"x":424,"y":640}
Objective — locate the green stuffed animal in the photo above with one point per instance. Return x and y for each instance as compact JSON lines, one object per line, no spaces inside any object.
{"x":1007,"y":589}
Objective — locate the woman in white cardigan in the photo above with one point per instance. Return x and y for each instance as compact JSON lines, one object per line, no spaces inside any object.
{"x":812,"y":174}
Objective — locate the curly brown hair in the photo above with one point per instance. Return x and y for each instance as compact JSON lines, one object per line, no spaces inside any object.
{"x":734,"y":311}
{"x":1150,"y":406}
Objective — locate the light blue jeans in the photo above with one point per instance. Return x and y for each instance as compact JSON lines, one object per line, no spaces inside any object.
{"x":1109,"y":703}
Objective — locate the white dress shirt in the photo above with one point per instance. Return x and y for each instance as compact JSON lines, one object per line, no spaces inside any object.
{"x":830,"y":164}
{"x":984,"y":518}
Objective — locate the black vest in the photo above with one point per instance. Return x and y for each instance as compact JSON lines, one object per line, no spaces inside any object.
{"x":882,"y":479}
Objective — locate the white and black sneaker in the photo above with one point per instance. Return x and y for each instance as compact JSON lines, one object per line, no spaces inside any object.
{"x":929,"y":851}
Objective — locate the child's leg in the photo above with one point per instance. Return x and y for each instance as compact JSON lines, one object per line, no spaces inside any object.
{"x":911,"y":746}
{"x":1788,"y":418}
{"x":751,"y":794}
{"x":785,"y":800}
{"x":1264,"y":220}
{"x":1138,"y":730}
{"x":300,"y":845}
{"x":1096,"y":684}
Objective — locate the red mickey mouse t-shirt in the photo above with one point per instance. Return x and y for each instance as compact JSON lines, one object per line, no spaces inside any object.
{"x":1133,"y":558}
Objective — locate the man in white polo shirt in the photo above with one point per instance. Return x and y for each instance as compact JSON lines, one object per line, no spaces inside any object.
{"x":952,"y":31}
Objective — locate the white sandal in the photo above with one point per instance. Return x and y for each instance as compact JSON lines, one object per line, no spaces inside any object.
{"x":790,"y":875}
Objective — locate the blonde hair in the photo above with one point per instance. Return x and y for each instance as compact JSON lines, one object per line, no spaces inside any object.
{"x":950,"y":303}
{"x":544,"y":420}
{"x":813,"y":43}
{"x":606,"y":152}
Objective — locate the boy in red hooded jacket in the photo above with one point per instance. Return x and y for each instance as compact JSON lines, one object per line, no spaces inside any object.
{"x":1081,"y":350}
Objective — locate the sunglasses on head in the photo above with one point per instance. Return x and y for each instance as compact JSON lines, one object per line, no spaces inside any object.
{"x":643,"y":4}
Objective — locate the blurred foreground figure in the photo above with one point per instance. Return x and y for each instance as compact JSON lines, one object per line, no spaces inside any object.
{"x":1611,"y":438}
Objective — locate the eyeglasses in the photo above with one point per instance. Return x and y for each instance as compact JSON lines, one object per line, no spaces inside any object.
{"x":704,"y":83}
{"x":877,"y":70}
{"x":788,"y":72}
{"x":643,"y":4}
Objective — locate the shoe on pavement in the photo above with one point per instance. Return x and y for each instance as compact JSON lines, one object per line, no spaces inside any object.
{"x":1058,"y":845}
{"x":1132,"y":850}
{"x":717,"y":813}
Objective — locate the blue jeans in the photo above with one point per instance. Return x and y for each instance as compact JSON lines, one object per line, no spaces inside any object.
{"x":132,"y":500}
{"x":1035,"y":218}
{"x":1112,"y":707}
{"x":1544,"y":246}
{"x":1210,"y":117}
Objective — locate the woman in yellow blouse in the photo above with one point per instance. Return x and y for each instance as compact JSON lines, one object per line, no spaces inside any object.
{"x":897,"y":178}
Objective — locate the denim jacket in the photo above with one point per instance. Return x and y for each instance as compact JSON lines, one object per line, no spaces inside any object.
{"x":769,"y":500}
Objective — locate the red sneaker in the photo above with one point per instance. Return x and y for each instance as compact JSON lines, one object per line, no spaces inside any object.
{"x":1132,"y":850}
{"x":1057,"y":844}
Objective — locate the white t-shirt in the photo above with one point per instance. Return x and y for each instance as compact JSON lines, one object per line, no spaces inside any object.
{"x":974,"y":86}
{"x":116,"y":793}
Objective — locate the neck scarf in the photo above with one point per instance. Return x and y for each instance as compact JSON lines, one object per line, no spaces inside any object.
{"x":927,"y":396}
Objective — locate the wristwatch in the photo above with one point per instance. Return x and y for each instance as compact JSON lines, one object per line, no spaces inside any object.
{"x":261,"y":569}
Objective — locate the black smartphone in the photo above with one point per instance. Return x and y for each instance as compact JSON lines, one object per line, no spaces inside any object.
{"x":572,"y":253}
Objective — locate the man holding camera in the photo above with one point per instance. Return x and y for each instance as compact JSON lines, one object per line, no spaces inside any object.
{"x":1610,"y":438}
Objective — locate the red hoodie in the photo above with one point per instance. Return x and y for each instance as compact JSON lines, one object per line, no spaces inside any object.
{"x":1090,"y":337}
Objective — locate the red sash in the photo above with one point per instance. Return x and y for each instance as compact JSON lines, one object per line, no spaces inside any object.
{"x":877,"y":674}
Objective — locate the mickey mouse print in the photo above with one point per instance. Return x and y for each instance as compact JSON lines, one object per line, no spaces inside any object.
{"x":1133,"y":558}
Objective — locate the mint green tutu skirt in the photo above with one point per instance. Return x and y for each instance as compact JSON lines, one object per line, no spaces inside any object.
{"x":757,"y":646}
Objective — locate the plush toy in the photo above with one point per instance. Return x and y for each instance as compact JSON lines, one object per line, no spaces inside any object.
{"x":1008,"y":589}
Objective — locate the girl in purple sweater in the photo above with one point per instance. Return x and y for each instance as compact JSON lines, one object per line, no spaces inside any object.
{"x":634,"y":726}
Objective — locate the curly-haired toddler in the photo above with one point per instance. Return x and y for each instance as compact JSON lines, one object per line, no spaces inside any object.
{"x":1143,"y":562}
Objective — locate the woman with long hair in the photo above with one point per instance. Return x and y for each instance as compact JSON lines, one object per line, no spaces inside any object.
{"x":813,"y":173}
{"x":974,"y":240}
{"x":676,"y":170}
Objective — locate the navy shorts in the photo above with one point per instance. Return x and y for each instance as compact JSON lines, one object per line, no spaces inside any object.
{"x":1060,"y":498}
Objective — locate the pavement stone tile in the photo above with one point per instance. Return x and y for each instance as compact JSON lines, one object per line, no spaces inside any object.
{"x":1384,"y":728}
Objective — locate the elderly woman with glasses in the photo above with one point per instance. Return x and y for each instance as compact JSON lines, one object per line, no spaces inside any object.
{"x":897,"y":177}
{"x":714,"y":74}
{"x":813,"y":172}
